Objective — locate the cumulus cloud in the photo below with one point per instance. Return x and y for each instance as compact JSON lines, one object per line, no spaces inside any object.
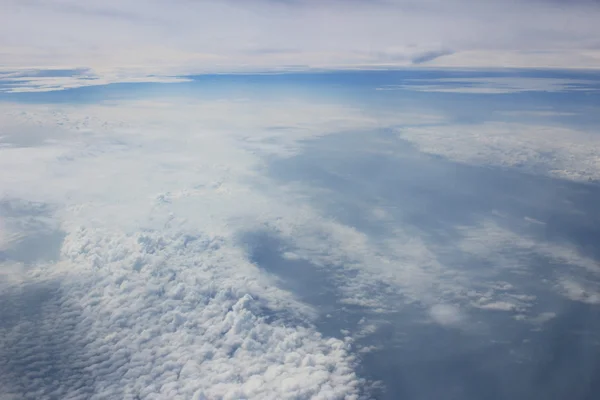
{"x":49,"y":83}
{"x":155,"y":40}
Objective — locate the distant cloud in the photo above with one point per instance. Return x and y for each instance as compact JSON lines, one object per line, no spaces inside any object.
{"x":586,"y":292}
{"x":121,"y":41}
{"x":551,"y":150}
{"x":503,"y":248}
{"x":494,"y":85}
{"x":24,"y":84}
{"x":498,"y":306}
{"x":151,"y":298}
{"x":447,"y":315}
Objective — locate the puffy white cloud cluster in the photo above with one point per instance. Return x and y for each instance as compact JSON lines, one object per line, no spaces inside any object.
{"x":160,"y":314}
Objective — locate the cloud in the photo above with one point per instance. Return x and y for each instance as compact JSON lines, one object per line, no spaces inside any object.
{"x":140,"y":40}
{"x":494,"y":85}
{"x":498,"y":306}
{"x":551,"y":150}
{"x":509,"y":251}
{"x":157,"y":295}
{"x":586,"y":292}
{"x":154,"y":295}
{"x":488,"y":237}
{"x":447,"y":315}
{"x":49,"y":84}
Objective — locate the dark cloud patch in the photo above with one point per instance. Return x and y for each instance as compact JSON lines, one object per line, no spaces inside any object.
{"x":431,"y":55}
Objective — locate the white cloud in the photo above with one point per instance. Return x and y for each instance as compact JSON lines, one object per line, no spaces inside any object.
{"x":586,"y":292}
{"x":4,"y":236}
{"x":557,"y":58}
{"x":192,"y":308}
{"x":49,"y":84}
{"x":487,"y":239}
{"x":147,"y":40}
{"x":544,"y":317}
{"x":498,"y":306}
{"x":557,"y":151}
{"x":508,"y":251}
{"x":447,"y":315}
{"x":156,"y":298}
{"x":494,"y":85}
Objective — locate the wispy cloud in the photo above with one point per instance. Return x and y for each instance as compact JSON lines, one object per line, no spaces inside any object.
{"x":495,"y":85}
{"x":24,"y":84}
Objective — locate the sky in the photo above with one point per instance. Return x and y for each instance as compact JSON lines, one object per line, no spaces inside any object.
{"x":132,"y":40}
{"x":299,"y":199}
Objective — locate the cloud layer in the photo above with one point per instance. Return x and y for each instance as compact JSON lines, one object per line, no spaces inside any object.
{"x":157,"y":291}
{"x":152,"y":296}
{"x":151,"y":40}
{"x":556,"y":151}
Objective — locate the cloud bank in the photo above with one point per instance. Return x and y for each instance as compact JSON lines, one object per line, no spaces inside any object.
{"x":121,"y":41}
